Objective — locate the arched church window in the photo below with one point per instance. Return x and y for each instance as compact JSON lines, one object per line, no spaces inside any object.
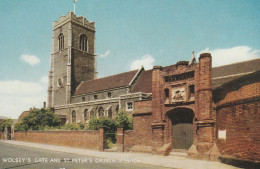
{"x":61,"y":42}
{"x":101,"y":112}
{"x":86,"y":115}
{"x":73,"y":117}
{"x":110,"y":113}
{"x":83,"y":42}
{"x":109,"y":95}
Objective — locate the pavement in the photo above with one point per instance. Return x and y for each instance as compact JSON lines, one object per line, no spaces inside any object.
{"x":149,"y":159}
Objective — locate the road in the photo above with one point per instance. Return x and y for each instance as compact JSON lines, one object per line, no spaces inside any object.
{"x":13,"y":156}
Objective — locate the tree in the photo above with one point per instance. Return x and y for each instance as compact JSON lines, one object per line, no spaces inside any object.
{"x":6,"y":123}
{"x":38,"y":119}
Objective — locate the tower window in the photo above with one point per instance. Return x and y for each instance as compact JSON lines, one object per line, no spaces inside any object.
{"x":83,"y":42}
{"x":61,"y":42}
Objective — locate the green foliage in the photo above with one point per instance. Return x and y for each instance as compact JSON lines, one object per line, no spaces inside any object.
{"x":94,"y":124}
{"x":6,"y":123}
{"x":20,"y":127}
{"x":38,"y":119}
{"x":124,"y":121}
{"x":71,"y":127}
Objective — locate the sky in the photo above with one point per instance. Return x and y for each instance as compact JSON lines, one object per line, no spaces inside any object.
{"x":129,"y":33}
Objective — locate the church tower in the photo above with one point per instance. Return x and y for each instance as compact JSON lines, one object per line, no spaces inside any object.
{"x":73,"y":57}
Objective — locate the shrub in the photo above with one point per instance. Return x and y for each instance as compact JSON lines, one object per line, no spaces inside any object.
{"x":124,"y":121}
{"x":71,"y":127}
{"x":38,"y":119}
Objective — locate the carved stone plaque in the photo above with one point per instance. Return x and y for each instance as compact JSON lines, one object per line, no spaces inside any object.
{"x":178,"y":94}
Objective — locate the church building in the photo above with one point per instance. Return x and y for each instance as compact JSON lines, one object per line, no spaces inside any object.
{"x":187,"y":106}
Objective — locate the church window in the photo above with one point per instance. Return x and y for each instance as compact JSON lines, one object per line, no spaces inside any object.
{"x":109,"y":95}
{"x":86,"y":115}
{"x":73,"y":117}
{"x":61,"y":42}
{"x":95,"y":97}
{"x":101,"y":112}
{"x":83,"y":99}
{"x":110,"y":113}
{"x":129,"y":106}
{"x":83,"y":42}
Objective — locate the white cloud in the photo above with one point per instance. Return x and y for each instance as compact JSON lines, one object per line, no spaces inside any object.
{"x":105,"y":54}
{"x":17,"y":96}
{"x":30,"y":59}
{"x":45,"y":79}
{"x":231,"y":55}
{"x":147,"y":61}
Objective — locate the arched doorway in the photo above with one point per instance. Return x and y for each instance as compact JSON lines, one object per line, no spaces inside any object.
{"x":182,"y":127}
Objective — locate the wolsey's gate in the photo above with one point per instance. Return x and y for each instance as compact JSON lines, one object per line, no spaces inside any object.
{"x":182,"y":128}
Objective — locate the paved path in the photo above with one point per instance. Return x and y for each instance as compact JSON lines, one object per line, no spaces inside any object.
{"x":149,"y":159}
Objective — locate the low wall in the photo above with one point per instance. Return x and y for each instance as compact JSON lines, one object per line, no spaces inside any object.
{"x":91,"y":139}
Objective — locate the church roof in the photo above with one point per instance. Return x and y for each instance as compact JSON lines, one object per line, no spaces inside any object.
{"x":227,"y":73}
{"x":110,"y":82}
{"x":144,"y":82}
{"x":220,"y":75}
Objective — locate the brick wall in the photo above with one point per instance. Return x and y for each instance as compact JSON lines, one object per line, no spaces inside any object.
{"x":1,"y":135}
{"x":241,"y":123}
{"x":238,"y":116}
{"x":82,"y":139}
{"x":139,"y":139}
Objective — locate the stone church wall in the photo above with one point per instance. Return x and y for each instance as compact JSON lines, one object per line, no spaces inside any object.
{"x":115,"y":93}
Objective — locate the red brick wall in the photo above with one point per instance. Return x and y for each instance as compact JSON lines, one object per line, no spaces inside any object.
{"x":82,"y":139}
{"x":238,"y":112}
{"x":141,"y":135}
{"x":242,"y":125}
{"x":129,"y":139}
{"x":1,"y":135}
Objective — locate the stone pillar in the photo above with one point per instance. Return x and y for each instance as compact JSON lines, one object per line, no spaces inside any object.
{"x":120,"y":140}
{"x":101,"y":143}
{"x":205,"y":123}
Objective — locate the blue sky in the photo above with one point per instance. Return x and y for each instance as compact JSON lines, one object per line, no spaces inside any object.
{"x":129,"y":33}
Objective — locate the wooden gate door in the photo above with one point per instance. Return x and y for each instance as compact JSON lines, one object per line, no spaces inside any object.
{"x":182,"y":136}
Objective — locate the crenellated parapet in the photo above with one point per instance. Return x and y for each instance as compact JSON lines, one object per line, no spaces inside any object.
{"x":71,"y":17}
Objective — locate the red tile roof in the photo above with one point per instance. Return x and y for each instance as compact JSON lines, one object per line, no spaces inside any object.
{"x":110,"y":82}
{"x":144,"y":83}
